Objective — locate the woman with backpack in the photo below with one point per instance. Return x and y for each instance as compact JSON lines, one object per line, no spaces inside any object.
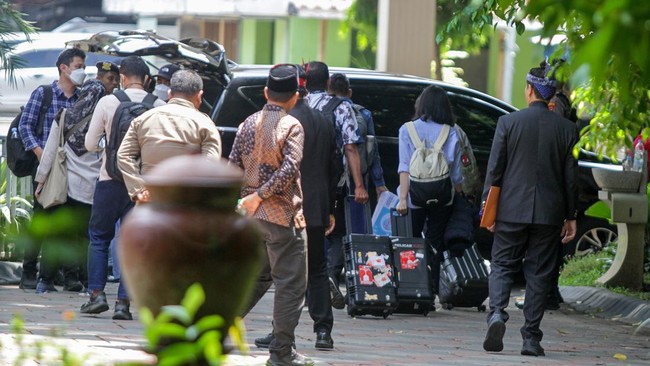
{"x":430,"y":170}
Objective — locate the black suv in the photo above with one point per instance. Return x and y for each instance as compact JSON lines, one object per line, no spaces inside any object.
{"x":233,"y":92}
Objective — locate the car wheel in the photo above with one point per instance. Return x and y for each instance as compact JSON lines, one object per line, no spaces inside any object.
{"x":592,"y":236}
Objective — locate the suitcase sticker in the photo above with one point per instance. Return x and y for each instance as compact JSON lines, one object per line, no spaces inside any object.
{"x":373,"y":269}
{"x":410,"y":259}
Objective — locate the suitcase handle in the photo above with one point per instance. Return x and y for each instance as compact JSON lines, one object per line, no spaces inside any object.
{"x":393,"y":212}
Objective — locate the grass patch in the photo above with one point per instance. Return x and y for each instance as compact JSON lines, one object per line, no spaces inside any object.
{"x":584,"y":271}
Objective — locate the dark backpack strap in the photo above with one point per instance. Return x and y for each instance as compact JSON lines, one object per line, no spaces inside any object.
{"x":121,"y":96}
{"x":330,"y":107}
{"x":45,"y":105}
{"x":149,"y":100}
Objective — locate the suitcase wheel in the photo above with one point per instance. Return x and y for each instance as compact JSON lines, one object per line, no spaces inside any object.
{"x":425,"y":312}
{"x":482,"y":308}
{"x":385,"y":314}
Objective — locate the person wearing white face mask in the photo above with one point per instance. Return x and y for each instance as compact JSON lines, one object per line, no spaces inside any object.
{"x":77,"y":76}
{"x":163,"y":79}
{"x":64,"y":93}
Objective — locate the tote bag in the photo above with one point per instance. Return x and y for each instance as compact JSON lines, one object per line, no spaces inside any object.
{"x":55,"y":189}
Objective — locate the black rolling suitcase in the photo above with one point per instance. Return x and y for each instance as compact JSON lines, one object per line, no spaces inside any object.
{"x":369,"y":275}
{"x":463,"y":280}
{"x":411,"y":263}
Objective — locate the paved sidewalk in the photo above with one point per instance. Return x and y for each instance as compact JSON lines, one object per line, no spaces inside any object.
{"x":444,"y":337}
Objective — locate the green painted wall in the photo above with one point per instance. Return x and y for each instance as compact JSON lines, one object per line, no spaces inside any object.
{"x":528,"y":55}
{"x":247,"y":41}
{"x":292,"y":40}
{"x":305,"y":38}
{"x":280,"y":41}
{"x":338,"y":50}
{"x":257,"y":37}
{"x":264,"y":42}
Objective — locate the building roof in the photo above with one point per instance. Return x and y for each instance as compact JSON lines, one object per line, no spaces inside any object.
{"x":334,"y":9}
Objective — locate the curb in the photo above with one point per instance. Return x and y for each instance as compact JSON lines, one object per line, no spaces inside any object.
{"x":606,"y":304}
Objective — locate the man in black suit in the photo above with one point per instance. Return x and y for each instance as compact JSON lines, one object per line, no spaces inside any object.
{"x":318,"y":188}
{"x":532,"y":161}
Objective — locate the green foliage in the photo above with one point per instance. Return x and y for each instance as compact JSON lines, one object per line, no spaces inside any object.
{"x":608,"y":42}
{"x":464,"y":29}
{"x":11,"y":20}
{"x":584,"y":271}
{"x":12,"y":216}
{"x":177,"y":338}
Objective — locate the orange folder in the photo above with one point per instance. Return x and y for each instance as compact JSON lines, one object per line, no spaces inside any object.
{"x":490,"y":209}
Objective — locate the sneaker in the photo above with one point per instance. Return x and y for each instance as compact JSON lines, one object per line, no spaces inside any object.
{"x":27,"y":281}
{"x":43,"y":287}
{"x":494,"y":337}
{"x":264,"y":342}
{"x":97,"y":303}
{"x":292,"y":359}
{"x":122,"y":310}
{"x":73,"y":285}
{"x":338,"y":301}
{"x":324,"y":340}
{"x":532,"y":347}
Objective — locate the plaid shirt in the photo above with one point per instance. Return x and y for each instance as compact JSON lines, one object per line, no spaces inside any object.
{"x":268,"y":147}
{"x":29,"y":118}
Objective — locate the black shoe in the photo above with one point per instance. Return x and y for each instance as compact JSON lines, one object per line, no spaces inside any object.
{"x":532,"y":347}
{"x":552,"y":305}
{"x":97,"y":303}
{"x":519,"y":302}
{"x":122,"y":310}
{"x":73,"y":285}
{"x":338,"y":301}
{"x":43,"y":287}
{"x":324,"y":340}
{"x":265,"y":341}
{"x":292,"y":359}
{"x":27,"y":281}
{"x":494,"y":337}
{"x":59,"y":278}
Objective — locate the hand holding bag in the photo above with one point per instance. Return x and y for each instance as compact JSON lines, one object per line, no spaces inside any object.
{"x":55,"y":188}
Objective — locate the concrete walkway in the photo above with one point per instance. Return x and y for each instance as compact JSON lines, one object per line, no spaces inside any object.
{"x":444,"y":337}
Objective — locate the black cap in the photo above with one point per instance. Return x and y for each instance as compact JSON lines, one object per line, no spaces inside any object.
{"x":283,"y":78}
{"x":107,"y":66}
{"x":168,"y":70}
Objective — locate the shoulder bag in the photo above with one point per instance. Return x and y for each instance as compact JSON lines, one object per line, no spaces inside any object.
{"x":55,"y":188}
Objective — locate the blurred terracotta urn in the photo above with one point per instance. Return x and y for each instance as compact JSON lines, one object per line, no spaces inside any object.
{"x":189,"y":232}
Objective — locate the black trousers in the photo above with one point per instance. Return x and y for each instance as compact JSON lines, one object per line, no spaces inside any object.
{"x":66,"y":240}
{"x":433,"y":222}
{"x":335,"y":258}
{"x":535,"y":248}
{"x":318,"y":291}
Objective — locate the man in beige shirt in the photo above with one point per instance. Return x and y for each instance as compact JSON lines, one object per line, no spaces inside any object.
{"x":174,"y":129}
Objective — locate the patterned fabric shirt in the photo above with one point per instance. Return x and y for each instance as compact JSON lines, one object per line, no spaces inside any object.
{"x":346,"y":120}
{"x":29,"y":118}
{"x":268,"y":147}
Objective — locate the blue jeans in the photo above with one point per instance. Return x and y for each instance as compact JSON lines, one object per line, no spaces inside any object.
{"x":112,"y":260}
{"x":111,"y":203}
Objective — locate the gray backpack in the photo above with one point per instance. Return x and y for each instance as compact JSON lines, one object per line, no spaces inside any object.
{"x":430,"y":181}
